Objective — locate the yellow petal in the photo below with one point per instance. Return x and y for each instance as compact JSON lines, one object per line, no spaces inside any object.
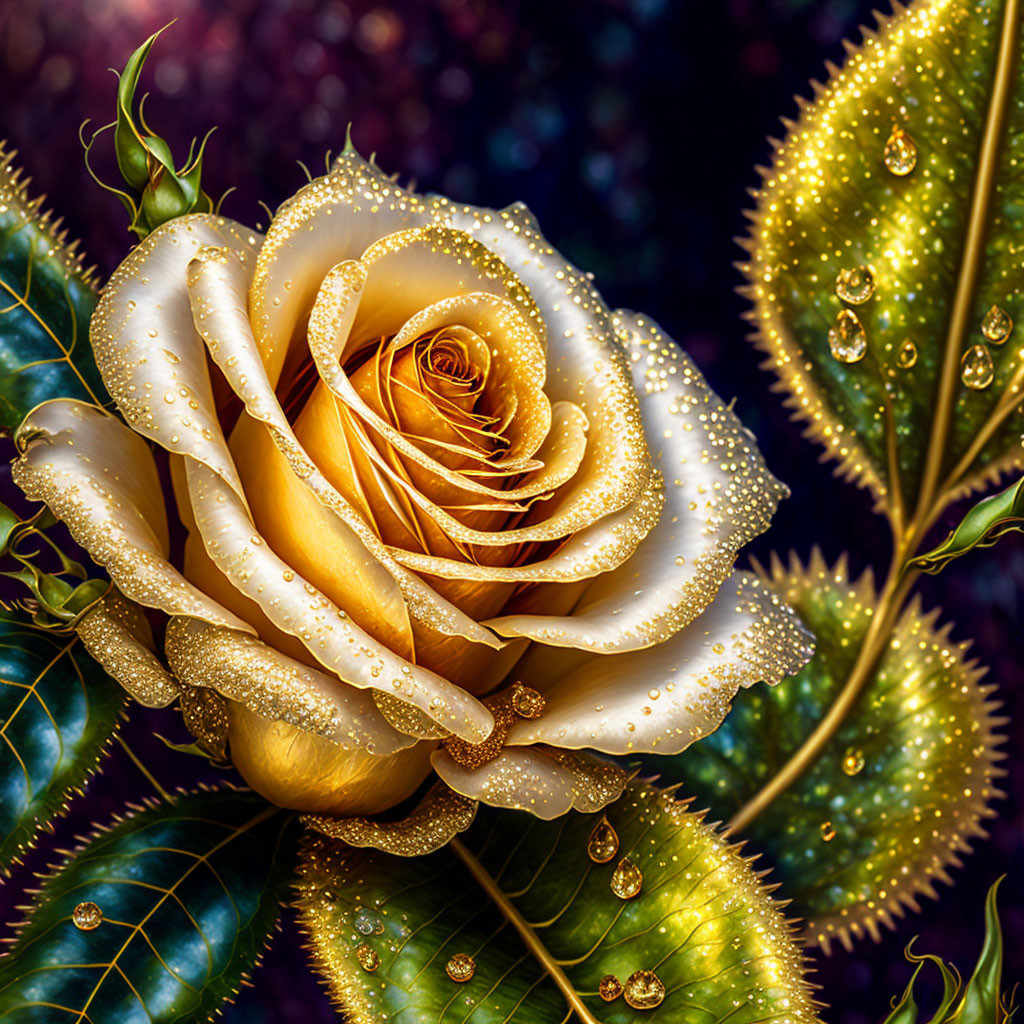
{"x":306,"y":772}
{"x":661,"y":699}
{"x":100,"y":479}
{"x":269,"y":683}
{"x":116,"y":633}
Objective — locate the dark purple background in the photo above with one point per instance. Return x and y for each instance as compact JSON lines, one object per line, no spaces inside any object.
{"x":631,"y":128}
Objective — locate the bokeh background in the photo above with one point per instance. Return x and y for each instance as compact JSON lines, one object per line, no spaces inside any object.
{"x":632,"y":129}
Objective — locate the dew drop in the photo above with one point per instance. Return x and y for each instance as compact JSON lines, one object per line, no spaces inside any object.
{"x":366,"y":922}
{"x":907,"y":355}
{"x":627,"y":879}
{"x":609,"y":988}
{"x":976,"y":370}
{"x":87,"y":916}
{"x":643,"y":990}
{"x":828,"y":833}
{"x":603,"y":843}
{"x":855,"y":285}
{"x":368,"y":959}
{"x":853,"y":761}
{"x":900,"y":153}
{"x":846,"y":337}
{"x":460,"y":968}
{"x":996,"y":325}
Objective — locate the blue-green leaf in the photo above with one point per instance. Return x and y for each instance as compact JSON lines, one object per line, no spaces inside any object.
{"x":45,"y":304}
{"x":187,"y":895}
{"x":59,"y":710}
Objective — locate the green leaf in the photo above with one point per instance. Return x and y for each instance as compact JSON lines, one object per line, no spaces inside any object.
{"x":45,"y":304}
{"x":189,"y":894}
{"x":977,"y":1003}
{"x":59,"y":710}
{"x":898,"y":790}
{"x":524,"y":900}
{"x":983,"y":525}
{"x":941,"y":242}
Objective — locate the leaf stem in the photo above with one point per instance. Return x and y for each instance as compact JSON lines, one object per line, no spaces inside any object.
{"x":972,"y":256}
{"x":483,"y":878}
{"x":164,"y":795}
{"x":890,"y":603}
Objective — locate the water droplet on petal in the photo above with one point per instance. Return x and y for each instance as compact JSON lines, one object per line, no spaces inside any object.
{"x":828,"y":833}
{"x":853,"y":761}
{"x":846,"y":337}
{"x":603,"y":843}
{"x":976,"y":370}
{"x":609,"y":988}
{"x":87,"y":916}
{"x":996,"y":325}
{"x":644,"y":990}
{"x":855,"y":285}
{"x":627,"y":879}
{"x":900,"y":153}
{"x":907,"y":355}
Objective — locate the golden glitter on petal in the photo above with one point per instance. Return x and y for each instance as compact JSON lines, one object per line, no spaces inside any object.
{"x":87,"y":916}
{"x":609,"y":988}
{"x":368,"y":959}
{"x":460,"y":968}
{"x":527,"y":702}
{"x":204,"y":713}
{"x":644,"y":990}
{"x":627,"y":880}
{"x":603,"y":843}
{"x":439,"y":816}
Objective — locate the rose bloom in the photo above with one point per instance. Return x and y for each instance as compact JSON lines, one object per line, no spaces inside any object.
{"x":446,"y":513}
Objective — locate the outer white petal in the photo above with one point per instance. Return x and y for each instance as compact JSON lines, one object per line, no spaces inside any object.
{"x":218,"y":282}
{"x":151,"y":358}
{"x":662,"y":699}
{"x":541,"y":780}
{"x":99,"y":478}
{"x":246,"y":670}
{"x":297,"y":607}
{"x":719,"y":494}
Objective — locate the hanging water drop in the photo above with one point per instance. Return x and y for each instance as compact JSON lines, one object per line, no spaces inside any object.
{"x":855,"y":285}
{"x":846,"y":337}
{"x":996,"y":325}
{"x":627,"y":879}
{"x":853,"y":761}
{"x":603,"y":843}
{"x":976,"y":370}
{"x":907,"y":355}
{"x":900,"y":153}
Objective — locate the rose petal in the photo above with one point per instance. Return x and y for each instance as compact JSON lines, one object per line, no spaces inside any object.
{"x":719,"y":495}
{"x":661,"y":699}
{"x":218,"y":291}
{"x":297,"y":607}
{"x":271,"y":684}
{"x":116,"y":633}
{"x":298,"y":769}
{"x":99,"y":478}
{"x":146,"y":346}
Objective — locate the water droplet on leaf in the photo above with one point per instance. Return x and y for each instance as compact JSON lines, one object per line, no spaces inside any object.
{"x":907,"y":355}
{"x":368,"y":959}
{"x":996,"y":325}
{"x":856,"y":285}
{"x":609,"y":988}
{"x":461,"y":967}
{"x":644,"y":990}
{"x":367,"y":922}
{"x":627,"y":879}
{"x":828,"y":833}
{"x":976,"y":370}
{"x":87,"y":916}
{"x":846,"y":337}
{"x":900,"y":153}
{"x":603,"y":843}
{"x":853,"y":761}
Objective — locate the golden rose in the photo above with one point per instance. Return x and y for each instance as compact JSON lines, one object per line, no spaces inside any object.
{"x":445,"y":511}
